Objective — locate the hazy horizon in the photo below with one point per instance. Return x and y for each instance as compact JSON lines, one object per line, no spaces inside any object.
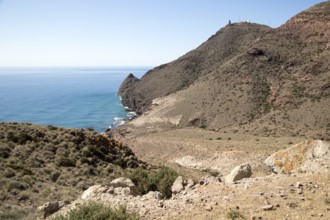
{"x":38,"y":33}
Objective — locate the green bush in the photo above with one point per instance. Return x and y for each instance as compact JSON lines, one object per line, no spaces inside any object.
{"x":161,"y":181}
{"x":20,"y":138}
{"x":8,"y":173}
{"x":4,"y":151}
{"x":52,"y":128}
{"x":17,"y":185}
{"x":65,"y":162}
{"x":234,"y":214}
{"x":95,"y":211}
{"x":140,"y":178}
{"x":54,"y":176}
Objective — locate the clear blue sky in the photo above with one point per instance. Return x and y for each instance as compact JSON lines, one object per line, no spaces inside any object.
{"x":122,"y":32}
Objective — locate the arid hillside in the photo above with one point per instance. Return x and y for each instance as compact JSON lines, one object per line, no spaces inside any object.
{"x":41,"y":164}
{"x":247,"y":78}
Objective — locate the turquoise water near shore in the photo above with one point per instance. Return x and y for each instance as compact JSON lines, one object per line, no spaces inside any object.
{"x":68,"y":97}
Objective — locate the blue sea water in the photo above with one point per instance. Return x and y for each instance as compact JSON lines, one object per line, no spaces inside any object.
{"x":68,"y":97}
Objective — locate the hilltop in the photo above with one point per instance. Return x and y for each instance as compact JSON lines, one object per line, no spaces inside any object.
{"x":247,"y":78}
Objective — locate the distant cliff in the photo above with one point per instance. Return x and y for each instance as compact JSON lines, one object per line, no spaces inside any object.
{"x":247,"y":78}
{"x":125,"y":91}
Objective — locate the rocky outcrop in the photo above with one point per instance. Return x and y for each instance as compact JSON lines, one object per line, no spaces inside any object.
{"x":123,"y":182}
{"x":128,"y":83}
{"x":128,"y":98}
{"x":311,"y":155}
{"x":240,"y":172}
{"x":119,"y":186}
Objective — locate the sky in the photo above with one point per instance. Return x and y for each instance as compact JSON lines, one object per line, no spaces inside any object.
{"x":103,"y":33}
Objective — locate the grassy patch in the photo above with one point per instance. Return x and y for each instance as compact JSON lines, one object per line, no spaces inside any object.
{"x":234,"y":214}
{"x":65,"y":162}
{"x":97,"y":211}
{"x":11,"y":214}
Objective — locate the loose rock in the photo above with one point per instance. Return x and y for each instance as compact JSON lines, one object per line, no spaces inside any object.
{"x":177,"y":185}
{"x":268,"y":207}
{"x":240,"y":172}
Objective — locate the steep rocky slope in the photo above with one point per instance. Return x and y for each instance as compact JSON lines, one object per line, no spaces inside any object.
{"x":247,"y":78}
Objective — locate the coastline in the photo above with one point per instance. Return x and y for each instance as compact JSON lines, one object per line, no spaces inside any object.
{"x":117,"y":121}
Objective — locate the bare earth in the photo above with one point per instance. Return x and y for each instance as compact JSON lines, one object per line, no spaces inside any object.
{"x":205,"y":150}
{"x":207,"y":155}
{"x":198,"y":153}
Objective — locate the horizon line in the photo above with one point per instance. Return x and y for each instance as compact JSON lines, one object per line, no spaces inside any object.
{"x":133,"y":66}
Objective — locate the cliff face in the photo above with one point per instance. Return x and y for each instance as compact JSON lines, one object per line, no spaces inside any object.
{"x":125,"y":91}
{"x":246,"y":78}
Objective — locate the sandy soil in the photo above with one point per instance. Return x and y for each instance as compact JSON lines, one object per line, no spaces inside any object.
{"x":204,"y":150}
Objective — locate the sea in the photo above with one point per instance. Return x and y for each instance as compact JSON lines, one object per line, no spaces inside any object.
{"x":66,"y":97}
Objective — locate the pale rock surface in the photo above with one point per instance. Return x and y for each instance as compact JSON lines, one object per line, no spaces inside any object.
{"x":177,"y":185}
{"x":311,"y":155}
{"x":154,"y":195}
{"x":240,"y":172}
{"x":190,"y":183}
{"x":268,"y":207}
{"x":91,"y":191}
{"x":124,"y":183}
{"x":210,"y":179}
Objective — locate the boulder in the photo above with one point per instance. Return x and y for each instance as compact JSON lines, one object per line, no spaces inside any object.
{"x":240,"y":172}
{"x":267,"y":207}
{"x":125,"y":182}
{"x":177,"y":185}
{"x":154,"y":195}
{"x":122,"y":182}
{"x":190,"y":183}
{"x":93,"y":190}
{"x":307,"y":155}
